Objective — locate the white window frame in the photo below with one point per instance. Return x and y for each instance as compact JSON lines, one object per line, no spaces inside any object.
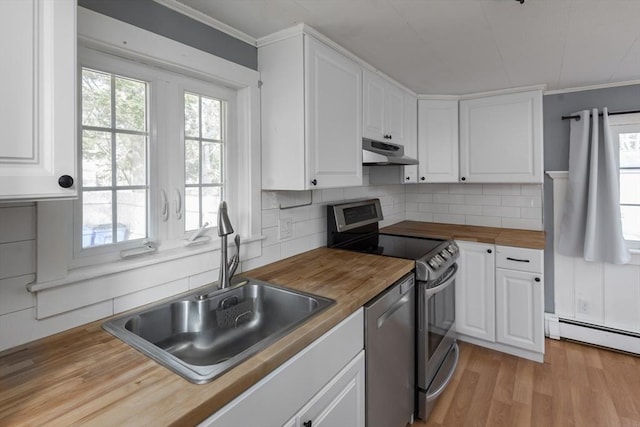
{"x":60,"y":287}
{"x":624,"y":123}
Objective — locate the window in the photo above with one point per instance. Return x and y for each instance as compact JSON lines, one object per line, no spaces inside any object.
{"x":626,"y":130}
{"x":154,"y":145}
{"x":114,"y":148}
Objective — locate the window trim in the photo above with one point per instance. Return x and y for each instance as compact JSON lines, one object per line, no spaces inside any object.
{"x":99,"y":32}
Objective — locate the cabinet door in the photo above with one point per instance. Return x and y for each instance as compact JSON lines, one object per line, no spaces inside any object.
{"x":334,"y":117}
{"x":341,"y":402}
{"x":519,"y":309}
{"x":394,"y":114}
{"x":373,"y":106}
{"x":501,"y":138}
{"x":438,"y":140}
{"x":37,"y":102}
{"x":410,"y":137}
{"x":475,"y":291}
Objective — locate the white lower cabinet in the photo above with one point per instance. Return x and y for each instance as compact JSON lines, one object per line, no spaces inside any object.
{"x":500,"y":298}
{"x":323,"y":385}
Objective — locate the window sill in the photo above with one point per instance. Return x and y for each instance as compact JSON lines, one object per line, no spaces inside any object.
{"x":93,"y":272}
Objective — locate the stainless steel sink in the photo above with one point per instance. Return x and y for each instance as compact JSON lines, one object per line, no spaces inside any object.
{"x":205,"y":333}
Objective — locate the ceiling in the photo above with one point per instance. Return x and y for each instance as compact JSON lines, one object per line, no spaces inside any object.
{"x":463,"y":46}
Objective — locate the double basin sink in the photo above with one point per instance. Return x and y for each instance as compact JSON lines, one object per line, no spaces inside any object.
{"x":205,"y":333}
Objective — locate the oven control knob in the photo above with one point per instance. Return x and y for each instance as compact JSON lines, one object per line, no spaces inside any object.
{"x":452,"y":249}
{"x":433,"y":264}
{"x":445,"y":254}
{"x":439,"y":260}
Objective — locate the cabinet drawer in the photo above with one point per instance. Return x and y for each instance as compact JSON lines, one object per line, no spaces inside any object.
{"x":521,"y":259}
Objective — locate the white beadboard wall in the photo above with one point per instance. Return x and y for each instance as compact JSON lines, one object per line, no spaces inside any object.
{"x":594,"y":292}
{"x":490,"y":205}
{"x":18,"y":322}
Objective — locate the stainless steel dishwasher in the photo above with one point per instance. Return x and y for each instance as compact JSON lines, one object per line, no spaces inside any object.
{"x":390,"y":356}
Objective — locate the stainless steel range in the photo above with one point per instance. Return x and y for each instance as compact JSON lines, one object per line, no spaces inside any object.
{"x":354,"y":226}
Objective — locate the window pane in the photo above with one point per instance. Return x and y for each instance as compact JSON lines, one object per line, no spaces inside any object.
{"x":96,"y":99}
{"x":191,"y":115}
{"x":629,"y":150}
{"x":210,"y":202}
{"x":630,"y":186}
{"x":211,"y":118}
{"x":211,"y":162}
{"x":96,"y":218}
{"x":192,"y":209}
{"x":131,"y":105}
{"x":631,"y":222}
{"x":132,"y":215}
{"x":192,"y":162}
{"x":96,"y":159}
{"x":131,"y":159}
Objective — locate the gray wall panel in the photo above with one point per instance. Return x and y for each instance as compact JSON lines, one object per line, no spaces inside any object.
{"x":556,"y":150}
{"x":161,"y":20}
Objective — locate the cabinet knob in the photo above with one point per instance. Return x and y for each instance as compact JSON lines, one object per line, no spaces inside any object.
{"x":307,"y":423}
{"x":65,"y":181}
{"x":407,"y":178}
{"x":489,"y":251}
{"x":463,"y":179}
{"x":314,"y":181}
{"x":537,"y":279}
{"x":422,"y":178}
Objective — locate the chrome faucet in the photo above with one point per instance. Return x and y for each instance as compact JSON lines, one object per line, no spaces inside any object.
{"x":227,"y":269}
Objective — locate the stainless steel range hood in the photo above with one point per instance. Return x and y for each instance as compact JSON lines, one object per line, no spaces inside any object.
{"x":377,"y":153}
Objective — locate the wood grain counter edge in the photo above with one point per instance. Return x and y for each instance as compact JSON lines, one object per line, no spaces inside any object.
{"x":87,"y":376}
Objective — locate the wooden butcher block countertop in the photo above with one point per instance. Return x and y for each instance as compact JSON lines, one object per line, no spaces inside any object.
{"x":85,"y":376}
{"x":497,"y":236}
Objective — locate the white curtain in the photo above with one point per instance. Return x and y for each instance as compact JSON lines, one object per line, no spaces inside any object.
{"x":591,"y":226}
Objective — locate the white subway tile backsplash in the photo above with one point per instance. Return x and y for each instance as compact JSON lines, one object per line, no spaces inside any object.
{"x":531,"y":213}
{"x":419,"y":197}
{"x":483,"y":200}
{"x":420,"y":216}
{"x":531,"y":190}
{"x":433,"y":188}
{"x":271,"y":235}
{"x":310,"y":227}
{"x":484,"y":221}
{"x":465,"y":209}
{"x":433,"y":208}
{"x":466,"y":189}
{"x":17,"y":223}
{"x":270,"y":218}
{"x":456,"y":199}
{"x":269,"y":200}
{"x":330,"y":195}
{"x":204,"y":278}
{"x":411,"y":207}
{"x":353,"y":193}
{"x":14,"y":295}
{"x":502,"y":189}
{"x":17,"y":258}
{"x":503,"y":211}
{"x":522,"y":201}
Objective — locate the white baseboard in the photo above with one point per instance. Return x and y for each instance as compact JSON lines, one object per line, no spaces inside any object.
{"x":551,"y":326}
{"x":599,"y":336}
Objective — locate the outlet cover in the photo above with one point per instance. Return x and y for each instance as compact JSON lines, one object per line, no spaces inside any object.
{"x":285,"y":228}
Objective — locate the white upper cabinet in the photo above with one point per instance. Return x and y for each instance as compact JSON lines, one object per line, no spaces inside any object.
{"x":38,"y":99}
{"x":438,"y":140}
{"x":385,"y":115}
{"x":311,"y":104}
{"x":501,"y":138}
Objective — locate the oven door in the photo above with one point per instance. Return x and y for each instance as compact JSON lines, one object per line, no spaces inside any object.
{"x":436,"y":328}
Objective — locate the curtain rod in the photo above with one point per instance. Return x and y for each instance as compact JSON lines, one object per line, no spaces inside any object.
{"x":614,"y":113}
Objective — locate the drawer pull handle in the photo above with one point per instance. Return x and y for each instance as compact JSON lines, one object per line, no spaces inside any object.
{"x":517,"y":260}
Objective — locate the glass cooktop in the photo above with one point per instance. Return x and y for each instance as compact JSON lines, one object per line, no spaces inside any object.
{"x":395,"y":246}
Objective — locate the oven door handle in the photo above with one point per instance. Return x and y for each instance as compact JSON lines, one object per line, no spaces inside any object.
{"x":434,"y":394}
{"x":450,"y":278}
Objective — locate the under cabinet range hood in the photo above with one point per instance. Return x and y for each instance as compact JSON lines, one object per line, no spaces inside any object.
{"x":377,"y":153}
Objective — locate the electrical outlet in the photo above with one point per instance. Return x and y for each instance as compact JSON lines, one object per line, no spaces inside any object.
{"x":583,"y":306}
{"x":285,"y":228}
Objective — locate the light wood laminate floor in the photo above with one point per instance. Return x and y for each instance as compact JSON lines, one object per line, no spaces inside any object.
{"x":577,"y":385}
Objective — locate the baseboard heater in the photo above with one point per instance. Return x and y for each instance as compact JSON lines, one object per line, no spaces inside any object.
{"x":603,"y":336}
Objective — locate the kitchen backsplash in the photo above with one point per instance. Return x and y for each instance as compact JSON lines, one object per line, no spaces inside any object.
{"x":500,"y":205}
{"x":491,"y":205}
